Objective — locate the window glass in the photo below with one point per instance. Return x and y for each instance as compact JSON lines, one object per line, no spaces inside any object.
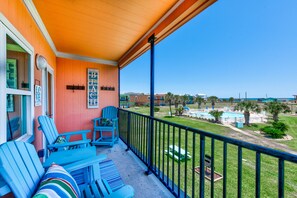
{"x":17,"y":66}
{"x":17,"y":116}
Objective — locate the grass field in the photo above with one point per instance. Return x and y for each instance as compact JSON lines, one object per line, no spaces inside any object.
{"x":184,"y":171}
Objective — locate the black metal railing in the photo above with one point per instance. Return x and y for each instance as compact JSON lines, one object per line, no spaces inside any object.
{"x":237,"y":168}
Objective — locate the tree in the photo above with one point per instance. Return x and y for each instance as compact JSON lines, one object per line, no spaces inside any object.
{"x":231,"y":100}
{"x":185,"y":99}
{"x":247,"y":106}
{"x":169,"y":99}
{"x":217,"y":114}
{"x":213,"y":100}
{"x":199,"y":100}
{"x":275,"y":108}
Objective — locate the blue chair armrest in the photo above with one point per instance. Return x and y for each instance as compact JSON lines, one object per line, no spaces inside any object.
{"x":96,"y":121}
{"x":71,"y":133}
{"x":68,"y":144}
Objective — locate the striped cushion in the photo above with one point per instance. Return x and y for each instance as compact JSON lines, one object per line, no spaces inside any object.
{"x":57,"y":182}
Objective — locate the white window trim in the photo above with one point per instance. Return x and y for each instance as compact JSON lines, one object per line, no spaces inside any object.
{"x":6,"y":28}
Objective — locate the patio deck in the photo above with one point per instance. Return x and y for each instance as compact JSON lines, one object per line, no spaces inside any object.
{"x":132,"y":172}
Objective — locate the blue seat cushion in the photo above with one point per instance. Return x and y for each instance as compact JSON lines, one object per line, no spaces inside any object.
{"x":57,"y":182}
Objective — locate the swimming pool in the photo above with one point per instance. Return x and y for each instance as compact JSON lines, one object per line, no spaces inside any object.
{"x":226,"y":117}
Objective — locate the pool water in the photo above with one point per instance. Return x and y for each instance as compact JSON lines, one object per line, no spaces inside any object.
{"x":200,"y":114}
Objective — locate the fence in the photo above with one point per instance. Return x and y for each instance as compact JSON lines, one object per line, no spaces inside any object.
{"x":234,"y":168}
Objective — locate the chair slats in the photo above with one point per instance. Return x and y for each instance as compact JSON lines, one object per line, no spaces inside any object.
{"x":19,"y":169}
{"x":49,"y":129}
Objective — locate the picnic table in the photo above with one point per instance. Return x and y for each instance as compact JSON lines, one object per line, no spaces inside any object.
{"x":177,"y":153}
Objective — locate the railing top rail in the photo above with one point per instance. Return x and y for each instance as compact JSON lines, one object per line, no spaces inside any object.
{"x":264,"y":150}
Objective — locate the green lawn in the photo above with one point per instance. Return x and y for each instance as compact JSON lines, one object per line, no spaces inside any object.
{"x":170,"y":136}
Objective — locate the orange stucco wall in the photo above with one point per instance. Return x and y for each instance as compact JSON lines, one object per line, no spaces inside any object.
{"x":71,"y":107}
{"x":18,"y":15}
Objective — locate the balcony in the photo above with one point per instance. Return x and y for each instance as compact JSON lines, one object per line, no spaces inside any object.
{"x":247,"y":170}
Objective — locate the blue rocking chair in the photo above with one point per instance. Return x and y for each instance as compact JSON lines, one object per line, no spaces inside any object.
{"x":22,"y":170}
{"x":108,"y":127}
{"x":58,"y":142}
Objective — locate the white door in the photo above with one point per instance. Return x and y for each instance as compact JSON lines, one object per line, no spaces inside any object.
{"x":48,"y":97}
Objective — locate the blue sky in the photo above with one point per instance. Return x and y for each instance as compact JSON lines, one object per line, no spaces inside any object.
{"x":235,"y":46}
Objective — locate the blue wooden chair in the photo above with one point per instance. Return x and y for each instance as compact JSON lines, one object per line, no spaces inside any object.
{"x":22,"y":170}
{"x":108,"y":127}
{"x":52,"y":136}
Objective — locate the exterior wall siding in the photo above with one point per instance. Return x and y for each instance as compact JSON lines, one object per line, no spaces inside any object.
{"x":18,"y":15}
{"x":72,"y":112}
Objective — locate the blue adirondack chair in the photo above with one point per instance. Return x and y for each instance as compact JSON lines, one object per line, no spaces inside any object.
{"x":108,"y":127}
{"x":22,"y":170}
{"x":49,"y":129}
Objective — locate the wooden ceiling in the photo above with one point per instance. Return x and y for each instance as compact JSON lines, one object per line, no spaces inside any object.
{"x":104,"y":29}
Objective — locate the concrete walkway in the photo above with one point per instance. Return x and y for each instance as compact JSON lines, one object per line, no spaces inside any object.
{"x":248,"y":137}
{"x":132,"y":172}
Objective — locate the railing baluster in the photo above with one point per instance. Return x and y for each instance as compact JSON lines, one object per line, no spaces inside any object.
{"x":186,"y":148}
{"x":159,"y":154}
{"x":163,"y":152}
{"x":172,"y":171}
{"x":202,"y":171}
{"x":139,"y":143}
{"x":258,"y":174}
{"x":193,"y":166}
{"x":179,"y":156}
{"x":155,"y":146}
{"x":225,"y":170}
{"x":128,"y":131}
{"x":281,"y":178}
{"x":212,"y":168}
{"x":168,"y":140}
{"x":239,"y":174}
{"x":144,"y":135}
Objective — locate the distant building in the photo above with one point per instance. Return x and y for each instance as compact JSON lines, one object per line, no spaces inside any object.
{"x":144,"y":99}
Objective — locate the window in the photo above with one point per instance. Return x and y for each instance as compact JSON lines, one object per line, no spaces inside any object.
{"x":16,"y":71}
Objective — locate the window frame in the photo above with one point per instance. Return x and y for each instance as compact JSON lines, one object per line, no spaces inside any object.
{"x":7,"y":29}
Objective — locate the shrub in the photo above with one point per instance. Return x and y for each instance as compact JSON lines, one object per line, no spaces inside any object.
{"x":156,"y":109}
{"x":273,"y":132}
{"x":280,"y":126}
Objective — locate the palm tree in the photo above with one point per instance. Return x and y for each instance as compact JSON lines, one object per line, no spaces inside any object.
{"x":231,"y":100}
{"x":247,"y":106}
{"x":185,"y":99}
{"x":213,"y":100}
{"x":199,"y":100}
{"x":176,"y":100}
{"x":276,"y":108}
{"x":169,"y":99}
{"x":217,"y":114}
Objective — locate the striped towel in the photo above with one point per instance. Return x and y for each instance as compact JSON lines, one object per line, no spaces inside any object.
{"x":110,"y":173}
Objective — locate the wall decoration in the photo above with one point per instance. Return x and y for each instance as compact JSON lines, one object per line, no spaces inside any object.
{"x":11,"y":73}
{"x":93,"y":84}
{"x":37,"y":97}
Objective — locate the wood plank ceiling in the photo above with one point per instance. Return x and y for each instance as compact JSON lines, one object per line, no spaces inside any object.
{"x":104,"y":29}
